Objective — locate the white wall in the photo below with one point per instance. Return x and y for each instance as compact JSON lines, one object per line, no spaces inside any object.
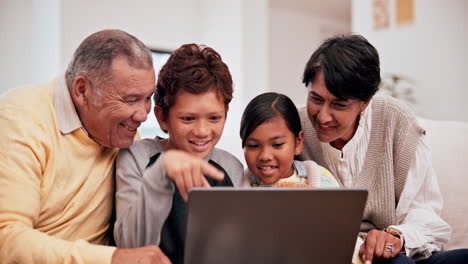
{"x":39,"y":38}
{"x":265,"y":48}
{"x":30,"y":47}
{"x":465,"y":40}
{"x":294,"y":35}
{"x":158,"y":23}
{"x":221,"y":21}
{"x":256,"y":45}
{"x":236,"y":29}
{"x":432,"y":51}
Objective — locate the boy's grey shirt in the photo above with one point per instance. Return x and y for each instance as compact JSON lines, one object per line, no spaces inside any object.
{"x":144,"y":194}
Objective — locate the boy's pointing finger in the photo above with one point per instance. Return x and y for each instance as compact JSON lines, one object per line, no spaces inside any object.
{"x":212,"y":172}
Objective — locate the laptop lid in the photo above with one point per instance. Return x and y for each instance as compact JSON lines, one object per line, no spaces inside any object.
{"x":273,"y":225}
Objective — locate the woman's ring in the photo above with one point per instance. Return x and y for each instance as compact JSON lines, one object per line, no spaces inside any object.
{"x":388,"y":247}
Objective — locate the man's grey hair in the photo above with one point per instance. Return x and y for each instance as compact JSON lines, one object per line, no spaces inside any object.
{"x":93,"y":58}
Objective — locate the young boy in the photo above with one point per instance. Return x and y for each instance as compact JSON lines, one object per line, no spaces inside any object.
{"x":193,"y":92}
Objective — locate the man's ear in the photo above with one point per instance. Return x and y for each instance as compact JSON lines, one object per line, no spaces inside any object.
{"x":299,"y":142}
{"x":158,"y":112}
{"x":80,"y":91}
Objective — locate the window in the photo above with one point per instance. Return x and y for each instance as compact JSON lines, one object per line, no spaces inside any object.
{"x":150,"y":128}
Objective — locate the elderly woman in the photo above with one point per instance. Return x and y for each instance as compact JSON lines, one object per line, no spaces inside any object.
{"x":374,"y":143}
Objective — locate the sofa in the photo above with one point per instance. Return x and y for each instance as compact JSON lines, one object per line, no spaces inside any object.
{"x":449,"y":143}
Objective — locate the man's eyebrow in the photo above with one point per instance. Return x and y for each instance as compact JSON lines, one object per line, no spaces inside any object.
{"x":136,"y":95}
{"x":131,"y":95}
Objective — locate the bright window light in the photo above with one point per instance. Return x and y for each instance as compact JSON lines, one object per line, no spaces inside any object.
{"x":150,"y":128}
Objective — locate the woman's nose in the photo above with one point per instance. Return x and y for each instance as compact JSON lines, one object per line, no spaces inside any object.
{"x":324,"y":115}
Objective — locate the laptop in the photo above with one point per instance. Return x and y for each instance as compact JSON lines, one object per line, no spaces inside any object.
{"x":272,"y":225}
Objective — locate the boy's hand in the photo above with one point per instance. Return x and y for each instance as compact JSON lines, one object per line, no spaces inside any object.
{"x":374,"y":246}
{"x":188,"y":171}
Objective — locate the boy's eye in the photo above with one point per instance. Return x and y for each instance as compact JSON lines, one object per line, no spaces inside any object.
{"x":214,"y":118}
{"x":278,"y":145}
{"x":252,"y":146}
{"x":187,"y":118}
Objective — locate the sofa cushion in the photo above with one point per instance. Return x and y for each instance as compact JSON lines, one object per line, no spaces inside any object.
{"x":449,"y":143}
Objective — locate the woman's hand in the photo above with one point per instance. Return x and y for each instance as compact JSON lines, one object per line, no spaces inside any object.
{"x":188,"y":171}
{"x":379,"y":244}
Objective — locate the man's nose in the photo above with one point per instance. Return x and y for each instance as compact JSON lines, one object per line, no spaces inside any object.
{"x":141,"y":113}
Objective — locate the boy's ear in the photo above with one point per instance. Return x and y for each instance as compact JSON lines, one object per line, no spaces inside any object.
{"x":158,"y":112}
{"x":299,"y":143}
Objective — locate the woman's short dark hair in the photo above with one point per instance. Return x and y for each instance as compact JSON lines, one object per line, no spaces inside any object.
{"x":265,"y":107}
{"x":195,"y":69}
{"x":350,"y":66}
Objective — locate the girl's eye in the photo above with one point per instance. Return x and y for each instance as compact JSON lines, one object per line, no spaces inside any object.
{"x":251,"y":146}
{"x":278,"y":145}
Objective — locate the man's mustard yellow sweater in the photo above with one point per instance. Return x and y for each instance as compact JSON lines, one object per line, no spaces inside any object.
{"x":56,"y":190}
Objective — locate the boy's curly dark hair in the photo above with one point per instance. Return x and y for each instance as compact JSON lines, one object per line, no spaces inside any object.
{"x":195,"y":69}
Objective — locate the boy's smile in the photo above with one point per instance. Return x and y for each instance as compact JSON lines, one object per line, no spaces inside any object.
{"x":195,"y":122}
{"x":199,"y":146}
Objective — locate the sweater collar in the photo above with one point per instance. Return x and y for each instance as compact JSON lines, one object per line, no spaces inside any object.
{"x":67,"y":117}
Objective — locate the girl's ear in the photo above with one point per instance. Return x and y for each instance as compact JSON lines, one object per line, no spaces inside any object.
{"x":299,"y":142}
{"x":158,"y":112}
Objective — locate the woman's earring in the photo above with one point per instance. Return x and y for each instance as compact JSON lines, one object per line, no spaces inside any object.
{"x":361,"y":121}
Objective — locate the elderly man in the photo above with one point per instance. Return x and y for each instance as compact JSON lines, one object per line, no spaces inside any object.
{"x":57,"y":150}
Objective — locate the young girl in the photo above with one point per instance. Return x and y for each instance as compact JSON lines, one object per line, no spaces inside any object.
{"x":272,"y":137}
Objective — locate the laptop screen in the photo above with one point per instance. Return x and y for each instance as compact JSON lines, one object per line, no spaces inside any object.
{"x":273,"y":225}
